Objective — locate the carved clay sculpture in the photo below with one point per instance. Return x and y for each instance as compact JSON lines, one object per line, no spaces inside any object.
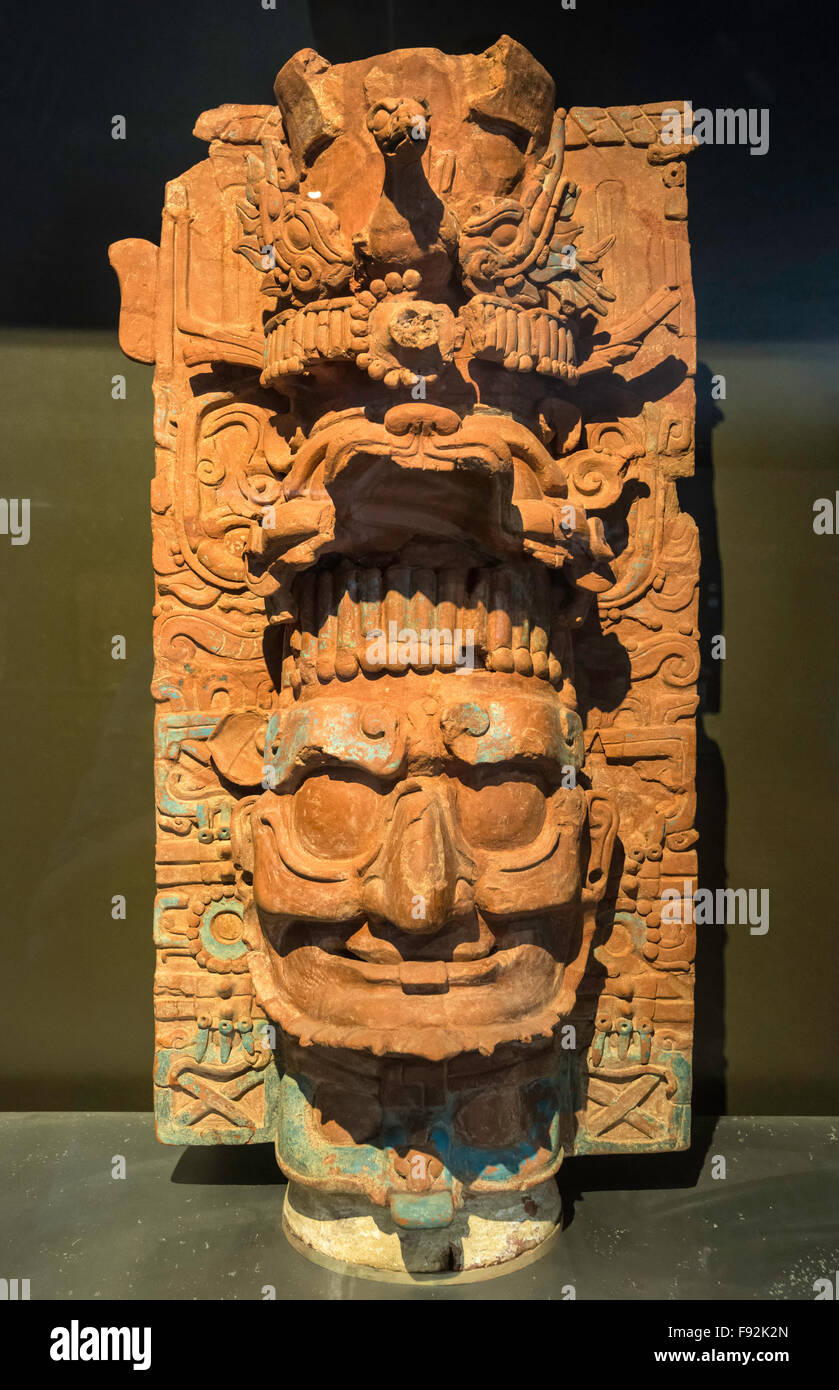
{"x":425,"y":644}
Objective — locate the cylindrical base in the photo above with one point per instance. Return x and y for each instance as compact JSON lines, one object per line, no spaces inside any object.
{"x":487,"y":1233}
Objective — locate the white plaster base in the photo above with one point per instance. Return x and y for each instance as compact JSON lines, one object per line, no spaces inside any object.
{"x":487,"y":1232}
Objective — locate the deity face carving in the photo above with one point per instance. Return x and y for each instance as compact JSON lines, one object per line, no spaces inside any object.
{"x":426,"y":866}
{"x":401,"y":128}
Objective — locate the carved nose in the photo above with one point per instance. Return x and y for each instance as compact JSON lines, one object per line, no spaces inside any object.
{"x":413,"y":882}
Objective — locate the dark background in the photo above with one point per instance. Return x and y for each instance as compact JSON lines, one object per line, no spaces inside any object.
{"x":763,"y":228}
{"x":77,"y":805}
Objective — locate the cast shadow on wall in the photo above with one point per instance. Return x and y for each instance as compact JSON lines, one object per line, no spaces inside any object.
{"x":696,"y":496}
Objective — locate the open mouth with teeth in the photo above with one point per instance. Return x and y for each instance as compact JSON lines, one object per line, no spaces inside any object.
{"x":381,"y":961}
{"x":432,"y":966}
{"x":470,"y":989}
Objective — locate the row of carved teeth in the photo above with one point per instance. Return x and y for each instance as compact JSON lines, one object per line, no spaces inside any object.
{"x":508,"y":616}
{"x":339,"y":330}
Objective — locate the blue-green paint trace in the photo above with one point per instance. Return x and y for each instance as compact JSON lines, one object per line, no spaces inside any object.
{"x":501,"y":742}
{"x":162,"y":938}
{"x":367,"y":1168}
{"x":336,"y":733}
{"x":172,"y":729}
{"x":178,"y":1069}
{"x":422,"y":1210}
{"x":667,"y":1134}
{"x":224,"y":950}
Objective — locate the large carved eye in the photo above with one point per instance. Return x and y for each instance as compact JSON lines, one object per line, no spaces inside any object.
{"x":336,"y":814}
{"x":499,"y":810}
{"x":504,"y":234}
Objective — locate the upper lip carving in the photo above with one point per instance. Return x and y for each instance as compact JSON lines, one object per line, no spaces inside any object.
{"x":468,"y":953}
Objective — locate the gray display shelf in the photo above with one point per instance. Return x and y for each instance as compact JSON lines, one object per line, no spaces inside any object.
{"x":205,"y":1223}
